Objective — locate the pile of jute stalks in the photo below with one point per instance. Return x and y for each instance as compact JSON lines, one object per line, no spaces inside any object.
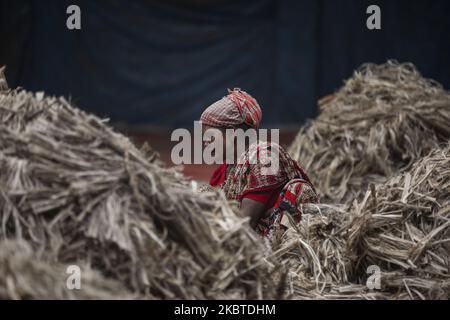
{"x":379,"y":154}
{"x":73,"y":192}
{"x":383,"y":119}
{"x":393,"y":244}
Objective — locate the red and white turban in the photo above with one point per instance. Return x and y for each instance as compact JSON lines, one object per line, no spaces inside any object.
{"x":236,"y":108}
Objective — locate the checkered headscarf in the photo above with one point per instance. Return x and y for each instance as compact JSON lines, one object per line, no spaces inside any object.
{"x":236,"y":108}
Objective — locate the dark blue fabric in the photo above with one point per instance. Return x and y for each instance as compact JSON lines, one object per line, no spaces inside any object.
{"x":163,"y":62}
{"x":153,"y":62}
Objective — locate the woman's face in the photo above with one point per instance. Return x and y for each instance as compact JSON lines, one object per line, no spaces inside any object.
{"x":226,"y":145}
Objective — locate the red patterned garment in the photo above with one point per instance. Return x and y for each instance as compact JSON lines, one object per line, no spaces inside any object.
{"x":282,"y":190}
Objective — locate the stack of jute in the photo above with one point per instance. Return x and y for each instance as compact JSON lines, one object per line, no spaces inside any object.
{"x":379,"y":154}
{"x":383,"y":119}
{"x":394,"y":243}
{"x":25,"y":274}
{"x":73,"y":192}
{"x":72,"y":187}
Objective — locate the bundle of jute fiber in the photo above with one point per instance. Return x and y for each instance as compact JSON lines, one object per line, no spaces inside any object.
{"x":399,"y":230}
{"x":383,"y":119}
{"x":314,"y":255}
{"x":25,"y":274}
{"x":404,"y":226}
{"x":72,"y":186}
{"x":312,"y":251}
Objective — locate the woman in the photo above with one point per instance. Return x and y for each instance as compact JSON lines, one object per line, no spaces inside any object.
{"x":264,"y":198}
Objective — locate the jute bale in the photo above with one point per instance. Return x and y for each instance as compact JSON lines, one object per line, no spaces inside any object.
{"x":25,"y":274}
{"x":383,"y":119}
{"x":402,"y":227}
{"x":72,"y":186}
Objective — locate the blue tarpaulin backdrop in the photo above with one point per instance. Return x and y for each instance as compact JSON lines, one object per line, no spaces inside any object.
{"x":163,"y":62}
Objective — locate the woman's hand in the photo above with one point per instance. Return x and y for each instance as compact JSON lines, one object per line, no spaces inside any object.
{"x":254,"y":210}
